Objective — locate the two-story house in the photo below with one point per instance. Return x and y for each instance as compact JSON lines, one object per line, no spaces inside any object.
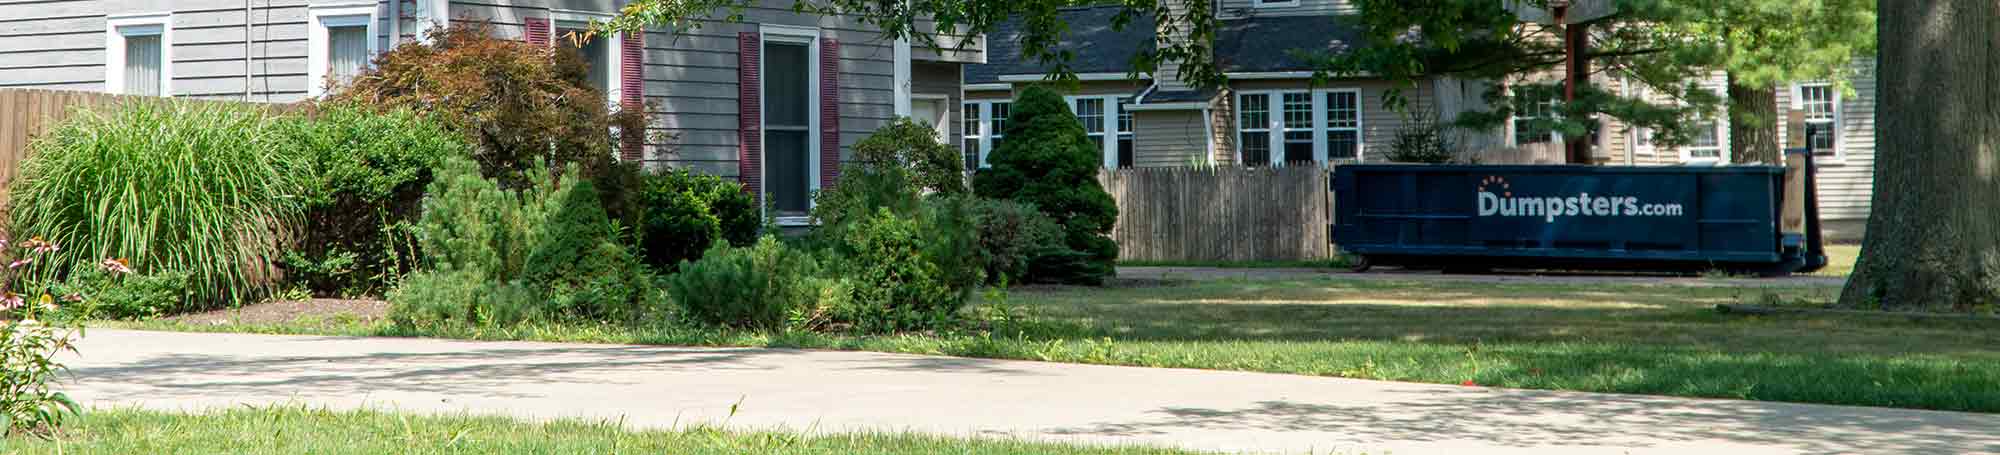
{"x":773,"y":100}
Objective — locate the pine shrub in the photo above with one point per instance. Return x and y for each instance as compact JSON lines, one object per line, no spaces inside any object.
{"x":1049,"y":162}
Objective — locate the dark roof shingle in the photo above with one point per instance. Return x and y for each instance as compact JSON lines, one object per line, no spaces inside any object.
{"x":1097,"y":47}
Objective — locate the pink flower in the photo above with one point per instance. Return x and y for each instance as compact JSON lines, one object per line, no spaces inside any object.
{"x":20,"y":262}
{"x":1468,"y":383}
{"x":72,"y":298}
{"x":11,"y":301}
{"x":3,"y":243}
{"x":40,"y":245}
{"x":116,"y":265}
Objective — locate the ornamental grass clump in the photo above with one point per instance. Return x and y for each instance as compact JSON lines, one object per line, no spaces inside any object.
{"x":182,"y":187}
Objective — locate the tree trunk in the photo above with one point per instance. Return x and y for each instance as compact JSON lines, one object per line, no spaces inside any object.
{"x":1753,"y":126}
{"x":1933,"y":240}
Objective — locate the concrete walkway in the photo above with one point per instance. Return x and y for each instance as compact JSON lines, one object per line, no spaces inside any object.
{"x":840,"y":391}
{"x":1393,"y":274}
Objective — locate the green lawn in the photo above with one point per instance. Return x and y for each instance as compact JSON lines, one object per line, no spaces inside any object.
{"x":297,"y":430}
{"x":1661,"y":340}
{"x":1840,"y":260}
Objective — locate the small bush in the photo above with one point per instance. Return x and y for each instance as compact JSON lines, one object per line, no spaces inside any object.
{"x":578,"y":260}
{"x":1011,"y":236}
{"x":524,"y":107}
{"x":909,"y":271}
{"x":114,"y":295}
{"x":432,"y":298}
{"x":682,"y":214}
{"x":182,"y":187}
{"x":1421,"y":140}
{"x":767,"y":286}
{"x":1048,"y":161}
{"x":932,"y":166}
{"x":36,"y":328}
{"x":366,"y":174}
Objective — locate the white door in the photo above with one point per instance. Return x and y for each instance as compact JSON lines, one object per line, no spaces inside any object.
{"x":932,"y":111}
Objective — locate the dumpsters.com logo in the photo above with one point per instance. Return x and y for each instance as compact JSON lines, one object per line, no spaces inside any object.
{"x":1496,"y":197}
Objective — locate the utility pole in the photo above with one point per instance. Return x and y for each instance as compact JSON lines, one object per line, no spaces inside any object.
{"x":1576,"y":73}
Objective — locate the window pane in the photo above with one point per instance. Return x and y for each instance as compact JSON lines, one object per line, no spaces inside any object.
{"x":1343,"y":144}
{"x":1097,"y":141}
{"x":786,"y":171}
{"x":1000,"y":112}
{"x":347,"y":53}
{"x":970,"y":127}
{"x":1090,"y":111}
{"x":1343,"y":110}
{"x":1821,"y":137}
{"x":1533,"y":121}
{"x":786,"y":86}
{"x":1707,"y":142}
{"x":1819,"y":102}
{"x":1125,"y":150}
{"x":142,"y":65}
{"x":1124,"y":115}
{"x":1299,"y":146}
{"x":1256,"y":148}
{"x":1298,"y":111}
{"x":1255,"y":113}
{"x":596,"y":55}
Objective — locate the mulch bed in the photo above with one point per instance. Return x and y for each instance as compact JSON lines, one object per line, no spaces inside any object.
{"x":323,"y":310}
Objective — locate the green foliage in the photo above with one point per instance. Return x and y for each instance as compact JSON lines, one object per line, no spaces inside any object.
{"x":113,"y":295}
{"x":932,"y":166}
{"x":767,"y":286}
{"x":1422,"y":139}
{"x":910,"y":271}
{"x":524,"y":107}
{"x":366,"y":174}
{"x":550,"y":240}
{"x":682,"y":214}
{"x":1049,"y":162}
{"x":33,"y":332}
{"x":181,"y":187}
{"x":1011,"y":235}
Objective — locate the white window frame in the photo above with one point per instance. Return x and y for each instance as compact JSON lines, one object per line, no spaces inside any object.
{"x":1721,"y":146}
{"x":560,"y":19}
{"x":117,"y":28}
{"x":1514,"y":120}
{"x":1108,"y":123}
{"x":1839,"y":117}
{"x":808,"y":36}
{"x":1264,"y":4}
{"x":1275,"y":117}
{"x":319,"y":19}
{"x":1121,"y":131}
{"x":983,"y":130}
{"x":1643,"y":141}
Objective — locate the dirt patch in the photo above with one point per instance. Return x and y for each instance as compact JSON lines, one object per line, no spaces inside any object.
{"x":324,"y":311}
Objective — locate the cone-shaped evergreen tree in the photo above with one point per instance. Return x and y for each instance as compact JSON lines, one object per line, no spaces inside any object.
{"x":1048,"y":161}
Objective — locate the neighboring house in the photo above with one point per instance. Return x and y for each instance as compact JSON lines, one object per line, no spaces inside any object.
{"x":773,"y":101}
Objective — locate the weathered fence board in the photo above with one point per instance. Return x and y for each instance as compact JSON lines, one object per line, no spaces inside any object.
{"x":1220,"y":214}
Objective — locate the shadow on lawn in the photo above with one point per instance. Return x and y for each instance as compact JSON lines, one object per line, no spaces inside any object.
{"x":1522,"y":418}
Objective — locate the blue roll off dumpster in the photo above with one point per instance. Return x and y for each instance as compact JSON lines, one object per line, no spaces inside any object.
{"x":1481,"y":217}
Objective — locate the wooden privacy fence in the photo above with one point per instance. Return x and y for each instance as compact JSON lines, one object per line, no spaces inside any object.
{"x":1221,"y":213}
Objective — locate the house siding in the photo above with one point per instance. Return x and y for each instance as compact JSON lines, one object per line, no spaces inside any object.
{"x":60,"y":45}
{"x":1846,"y":184}
{"x":1168,"y":138}
{"x":691,"y":77}
{"x":1230,"y":9}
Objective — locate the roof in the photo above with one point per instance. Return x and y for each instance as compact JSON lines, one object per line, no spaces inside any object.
{"x":1270,"y":44}
{"x":1097,"y":48}
{"x":1178,"y":96}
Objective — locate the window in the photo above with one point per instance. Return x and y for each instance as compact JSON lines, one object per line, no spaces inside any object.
{"x":1253,"y":126}
{"x":1534,"y":120}
{"x":599,"y":52}
{"x":1821,"y":105}
{"x":1108,"y":126}
{"x":139,"y":54}
{"x":790,"y":170}
{"x":1124,"y":133}
{"x":968,"y":136}
{"x":1343,"y":124}
{"x":985,"y":124}
{"x":1274,"y":3}
{"x":1306,"y":127}
{"x":341,"y":42}
{"x":1707,"y":143}
{"x":1642,"y":141}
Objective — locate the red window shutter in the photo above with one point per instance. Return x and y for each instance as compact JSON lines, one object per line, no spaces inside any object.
{"x":829,"y":112}
{"x":749,"y":116}
{"x":632,"y":93}
{"x":538,"y":30}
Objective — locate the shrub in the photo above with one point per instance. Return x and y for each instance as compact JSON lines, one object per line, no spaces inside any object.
{"x":523,"y":106}
{"x":909,"y":271}
{"x":1421,"y":140}
{"x":914,"y":147}
{"x":767,"y":286}
{"x":551,"y":238}
{"x":183,"y":187}
{"x":1011,"y":236}
{"x":431,"y":298}
{"x":683,"y":213}
{"x":115,"y":295}
{"x":1049,"y":162}
{"x":32,"y":334}
{"x":366,"y":176}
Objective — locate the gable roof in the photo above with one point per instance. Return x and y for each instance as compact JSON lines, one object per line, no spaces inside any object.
{"x":1097,"y":48}
{"x":1270,"y":43}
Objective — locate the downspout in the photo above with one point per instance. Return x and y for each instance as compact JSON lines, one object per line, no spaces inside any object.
{"x":248,"y":79}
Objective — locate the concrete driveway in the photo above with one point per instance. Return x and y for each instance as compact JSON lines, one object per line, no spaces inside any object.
{"x":838,"y":391}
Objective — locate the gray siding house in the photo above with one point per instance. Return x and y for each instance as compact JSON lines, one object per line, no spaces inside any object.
{"x":774,"y":100}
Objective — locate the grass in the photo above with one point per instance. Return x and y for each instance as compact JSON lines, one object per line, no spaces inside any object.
{"x":294,"y":429}
{"x":1659,"y":340}
{"x":1840,"y":260}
